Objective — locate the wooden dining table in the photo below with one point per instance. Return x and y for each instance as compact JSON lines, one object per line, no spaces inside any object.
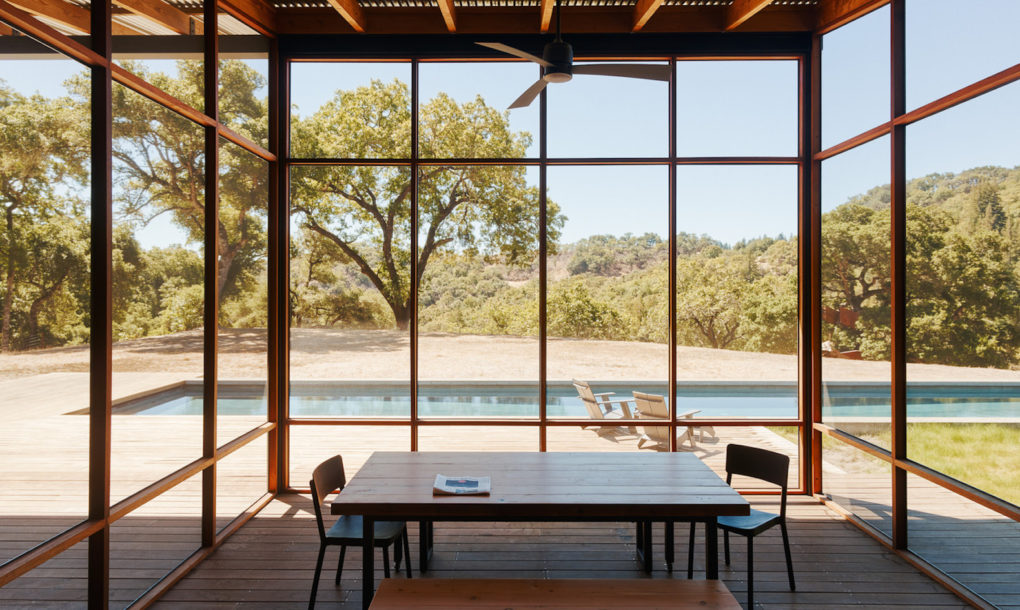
{"x":638,"y":487}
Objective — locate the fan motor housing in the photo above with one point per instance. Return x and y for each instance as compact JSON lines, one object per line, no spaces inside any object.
{"x":561,"y":56}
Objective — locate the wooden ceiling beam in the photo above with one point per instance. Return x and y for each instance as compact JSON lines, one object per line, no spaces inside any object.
{"x":742,"y":10}
{"x":832,"y":14}
{"x":259,"y":15}
{"x":162,"y":13}
{"x":546,"y":11}
{"x":449,"y":16}
{"x":69,"y":15}
{"x":643,"y":11}
{"x":351,"y":11}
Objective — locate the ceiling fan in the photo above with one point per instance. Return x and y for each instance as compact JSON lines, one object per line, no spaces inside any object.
{"x":558,"y":61}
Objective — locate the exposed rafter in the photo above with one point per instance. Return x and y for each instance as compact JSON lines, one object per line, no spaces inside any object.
{"x":643,"y":11}
{"x":834,"y":13}
{"x":449,"y":16}
{"x":742,"y":10}
{"x":546,"y":10}
{"x":351,"y":11}
{"x":66,"y":14}
{"x":259,"y":15}
{"x":160,"y":12}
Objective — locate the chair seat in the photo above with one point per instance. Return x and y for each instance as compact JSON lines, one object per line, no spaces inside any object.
{"x":751,"y":525}
{"x":348,"y":529}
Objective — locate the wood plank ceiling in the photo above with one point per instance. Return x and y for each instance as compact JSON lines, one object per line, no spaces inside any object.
{"x":171,"y":17}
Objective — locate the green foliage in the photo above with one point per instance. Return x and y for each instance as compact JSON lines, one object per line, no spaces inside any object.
{"x":574,"y":312}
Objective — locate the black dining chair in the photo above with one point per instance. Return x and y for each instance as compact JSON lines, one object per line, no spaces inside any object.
{"x":347,"y":530}
{"x":763,"y":465}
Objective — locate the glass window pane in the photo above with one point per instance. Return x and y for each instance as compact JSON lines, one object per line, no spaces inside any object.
{"x":860,"y":483}
{"x":158,"y":291}
{"x":984,"y":42}
{"x":972,"y":544}
{"x":164,"y":49}
{"x":241,"y":480}
{"x":478,"y":438}
{"x":244,"y":80}
{"x":44,"y":295}
{"x":855,"y":77}
{"x":714,"y":117}
{"x":311,"y":445}
{"x":736,"y":283}
{"x":243,"y":345}
{"x":463,"y":110}
{"x":153,"y":539}
{"x":478,"y":299}
{"x":856,"y":392}
{"x":963,"y":289}
{"x":607,"y":296}
{"x":349,"y":308}
{"x":608,"y":116}
{"x":350,"y":110}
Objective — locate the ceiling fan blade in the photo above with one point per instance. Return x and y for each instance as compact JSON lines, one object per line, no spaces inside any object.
{"x":515,"y":52}
{"x":529,"y":96}
{"x":647,"y":71}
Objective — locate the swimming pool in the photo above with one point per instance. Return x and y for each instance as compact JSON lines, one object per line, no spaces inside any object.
{"x":514,"y":399}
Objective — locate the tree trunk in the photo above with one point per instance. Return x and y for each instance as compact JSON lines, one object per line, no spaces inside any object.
{"x":5,"y":334}
{"x":402,"y":315}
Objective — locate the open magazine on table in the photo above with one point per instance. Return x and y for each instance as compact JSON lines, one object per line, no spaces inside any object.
{"x":460,"y":486}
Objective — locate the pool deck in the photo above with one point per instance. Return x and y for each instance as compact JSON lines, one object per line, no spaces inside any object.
{"x":47,"y":450}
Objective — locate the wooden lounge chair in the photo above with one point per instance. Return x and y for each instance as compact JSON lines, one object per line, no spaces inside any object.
{"x":653,"y":406}
{"x":600,"y":406}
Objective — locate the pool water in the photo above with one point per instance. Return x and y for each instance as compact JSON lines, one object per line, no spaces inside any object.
{"x":757,"y":400}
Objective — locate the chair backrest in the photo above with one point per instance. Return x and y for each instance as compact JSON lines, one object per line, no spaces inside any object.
{"x":758,"y":463}
{"x":653,"y":406}
{"x":326,"y":478}
{"x":588,"y":398}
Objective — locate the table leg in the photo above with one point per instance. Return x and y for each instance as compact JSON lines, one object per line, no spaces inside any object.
{"x":424,"y":545}
{"x":711,"y":549}
{"x":367,"y":562}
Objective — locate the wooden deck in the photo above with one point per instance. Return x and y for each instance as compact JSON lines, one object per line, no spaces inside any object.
{"x":268,"y":563}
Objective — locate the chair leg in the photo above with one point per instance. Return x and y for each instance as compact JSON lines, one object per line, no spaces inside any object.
{"x":386,"y":561}
{"x":726,"y":546}
{"x":315,"y":581}
{"x":407,"y":553}
{"x":750,"y":572}
{"x":690,"y":552}
{"x":789,"y":558}
{"x":668,"y":543}
{"x":398,"y":551}
{"x":340,"y":563}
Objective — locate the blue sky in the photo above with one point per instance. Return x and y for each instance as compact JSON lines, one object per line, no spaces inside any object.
{"x":744,"y":108}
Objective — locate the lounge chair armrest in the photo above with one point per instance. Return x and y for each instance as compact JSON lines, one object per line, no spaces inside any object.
{"x":687,"y":414}
{"x":601,"y":394}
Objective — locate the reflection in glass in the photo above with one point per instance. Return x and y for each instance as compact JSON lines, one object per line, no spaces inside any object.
{"x":736,"y":283}
{"x":478,"y":296}
{"x":44,"y":296}
{"x":349,"y":293}
{"x":984,"y":42}
{"x":963,"y":293}
{"x":855,"y":77}
{"x":158,"y":289}
{"x":714,"y":117}
{"x":351,"y":110}
{"x":244,"y":291}
{"x":856,"y":394}
{"x":608,"y":116}
{"x":607,"y":295}
{"x":463,"y":110}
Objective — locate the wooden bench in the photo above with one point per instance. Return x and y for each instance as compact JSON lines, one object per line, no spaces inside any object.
{"x":508,"y":593}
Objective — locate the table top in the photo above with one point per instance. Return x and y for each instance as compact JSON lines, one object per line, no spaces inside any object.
{"x":544,"y":486}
